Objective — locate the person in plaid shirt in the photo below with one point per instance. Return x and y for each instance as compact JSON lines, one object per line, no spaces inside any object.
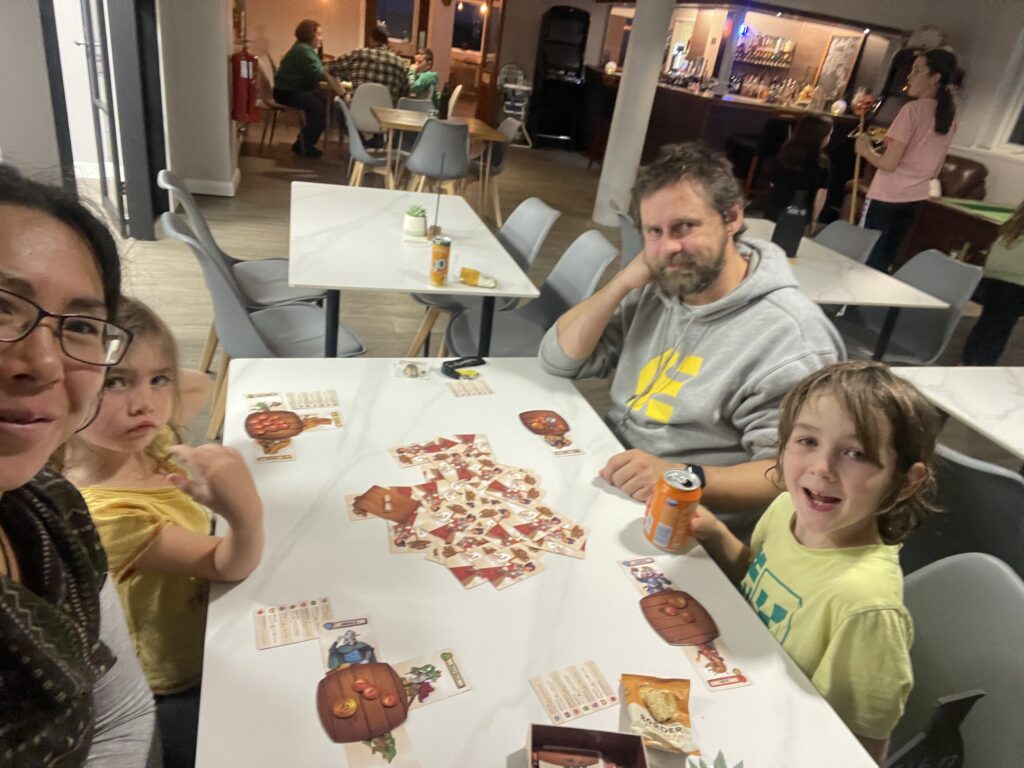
{"x":375,"y":64}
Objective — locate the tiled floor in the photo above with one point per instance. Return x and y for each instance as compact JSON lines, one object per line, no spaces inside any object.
{"x":254,"y":224}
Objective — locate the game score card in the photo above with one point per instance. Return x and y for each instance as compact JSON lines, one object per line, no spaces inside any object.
{"x":290,"y":623}
{"x":573,"y":692}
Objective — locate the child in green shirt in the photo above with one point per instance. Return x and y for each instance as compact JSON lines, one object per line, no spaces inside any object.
{"x":423,"y":81}
{"x":822,"y":570}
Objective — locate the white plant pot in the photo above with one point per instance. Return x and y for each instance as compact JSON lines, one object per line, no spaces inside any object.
{"x":415,"y":225}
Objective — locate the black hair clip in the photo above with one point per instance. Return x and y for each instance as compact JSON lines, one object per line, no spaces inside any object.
{"x":455,"y":368}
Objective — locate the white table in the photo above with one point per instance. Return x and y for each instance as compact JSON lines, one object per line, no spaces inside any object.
{"x":351,"y":237}
{"x":829,"y":277}
{"x":258,"y":707}
{"x":989,"y":400}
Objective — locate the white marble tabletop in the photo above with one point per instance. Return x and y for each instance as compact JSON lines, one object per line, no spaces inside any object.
{"x":988,"y":399}
{"x":828,"y":277}
{"x":258,"y":707}
{"x":345,"y":237}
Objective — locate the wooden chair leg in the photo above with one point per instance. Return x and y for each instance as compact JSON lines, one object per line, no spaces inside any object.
{"x":421,"y":183}
{"x":220,"y":397}
{"x":357,"y":173}
{"x":208,"y":349}
{"x":424,"y":331}
{"x":442,"y":349}
{"x":273,"y":127}
{"x":497,"y":202}
{"x":266,"y":124}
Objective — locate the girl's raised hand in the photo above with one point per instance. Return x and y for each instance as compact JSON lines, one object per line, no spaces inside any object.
{"x":704,"y":525}
{"x":222,"y":482}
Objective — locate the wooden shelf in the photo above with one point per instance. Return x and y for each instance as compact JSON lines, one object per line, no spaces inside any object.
{"x":771,"y":64}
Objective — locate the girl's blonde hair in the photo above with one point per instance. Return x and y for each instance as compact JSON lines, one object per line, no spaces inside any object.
{"x":873,"y":397}
{"x":146,"y":325}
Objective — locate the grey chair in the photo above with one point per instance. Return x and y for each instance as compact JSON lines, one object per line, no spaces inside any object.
{"x":920,"y":335}
{"x":440,"y":154}
{"x":288,"y":330}
{"x":365,"y":97}
{"x":982,"y":511}
{"x":631,"y":241}
{"x":518,"y":333}
{"x":453,"y":100}
{"x":360,"y":159}
{"x":522,"y":236}
{"x":499,"y":152}
{"x":416,"y":105}
{"x":262,"y":282}
{"x":848,"y":239}
{"x":968,"y":613}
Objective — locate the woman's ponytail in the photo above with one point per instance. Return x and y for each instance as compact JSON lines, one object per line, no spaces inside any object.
{"x":942,"y":61}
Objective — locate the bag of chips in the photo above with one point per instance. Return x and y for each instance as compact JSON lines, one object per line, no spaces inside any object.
{"x":659,"y":712}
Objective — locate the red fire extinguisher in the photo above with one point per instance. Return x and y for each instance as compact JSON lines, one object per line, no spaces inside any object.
{"x":244,"y":87}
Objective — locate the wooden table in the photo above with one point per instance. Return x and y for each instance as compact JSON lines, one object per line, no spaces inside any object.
{"x":407,"y":120}
{"x":988,"y":399}
{"x":258,"y":707}
{"x":351,"y":237}
{"x":829,"y":277}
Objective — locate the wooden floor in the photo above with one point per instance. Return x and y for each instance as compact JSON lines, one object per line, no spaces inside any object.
{"x":254,"y":224}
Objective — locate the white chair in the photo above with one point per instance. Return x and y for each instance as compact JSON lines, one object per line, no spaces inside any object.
{"x":982,"y":511}
{"x":267,"y":103}
{"x":453,"y":100}
{"x":848,"y":239}
{"x":968,"y":613}
{"x":365,"y":97}
{"x":289,"y":330}
{"x":518,"y":333}
{"x":261,"y":282}
{"x":522,"y":236}
{"x":920,"y":335}
{"x":631,"y":241}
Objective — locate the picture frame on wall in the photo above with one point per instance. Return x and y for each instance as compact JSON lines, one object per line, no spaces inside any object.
{"x":836,"y":65}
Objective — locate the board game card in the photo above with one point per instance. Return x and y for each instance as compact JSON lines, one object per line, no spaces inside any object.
{"x":381,"y":501}
{"x":434,"y":677}
{"x":472,"y":445}
{"x":350,"y":508}
{"x":553,"y":428}
{"x":470,"y":387}
{"x":509,"y":566}
{"x":645,"y":576}
{"x":345,"y":642}
{"x":567,"y":538}
{"x":517,"y":491}
{"x":392,"y":750}
{"x":317,"y":409}
{"x":411,"y":454}
{"x":274,"y":440}
{"x":462,"y":565}
{"x":408,"y":538}
{"x":288,"y":623}
{"x":573,"y":692}
{"x":554,"y":756}
{"x":715,"y":665}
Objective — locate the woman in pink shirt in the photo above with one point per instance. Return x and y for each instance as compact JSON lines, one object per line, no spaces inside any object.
{"x":915,"y":148}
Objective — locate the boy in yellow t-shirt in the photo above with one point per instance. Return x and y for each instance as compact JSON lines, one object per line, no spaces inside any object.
{"x":822,"y":570}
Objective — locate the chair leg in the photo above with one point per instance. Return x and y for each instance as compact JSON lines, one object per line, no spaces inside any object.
{"x":273,"y":126}
{"x":357,"y":172}
{"x":497,"y":202}
{"x":208,"y":349}
{"x":442,"y":350}
{"x":220,"y":397}
{"x":421,"y":183}
{"x":424,"y":331}
{"x":266,"y":124}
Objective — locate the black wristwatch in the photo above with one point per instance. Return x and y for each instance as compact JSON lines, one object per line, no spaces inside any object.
{"x":698,"y":470}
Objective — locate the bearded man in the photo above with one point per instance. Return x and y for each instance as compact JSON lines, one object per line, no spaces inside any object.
{"x":705,"y":333}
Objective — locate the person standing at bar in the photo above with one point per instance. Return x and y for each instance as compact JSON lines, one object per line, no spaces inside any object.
{"x":296,"y":83}
{"x":915,"y":148}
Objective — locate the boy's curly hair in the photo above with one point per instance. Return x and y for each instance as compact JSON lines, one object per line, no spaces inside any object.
{"x":876,"y":398}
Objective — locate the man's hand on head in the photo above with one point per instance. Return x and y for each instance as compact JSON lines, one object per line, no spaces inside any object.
{"x":636,"y":274}
{"x":634,"y":472}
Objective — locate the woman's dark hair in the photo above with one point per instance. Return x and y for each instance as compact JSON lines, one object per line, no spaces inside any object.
{"x":943,"y":62}
{"x":306,"y":31}
{"x":804,"y":146}
{"x":16,"y":190}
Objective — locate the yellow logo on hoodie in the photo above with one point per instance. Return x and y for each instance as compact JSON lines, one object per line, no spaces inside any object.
{"x":662,"y":376}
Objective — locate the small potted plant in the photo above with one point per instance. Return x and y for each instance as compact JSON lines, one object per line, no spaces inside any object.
{"x":415,"y":222}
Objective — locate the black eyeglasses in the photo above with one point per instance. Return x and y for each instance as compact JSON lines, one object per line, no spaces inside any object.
{"x":86,"y":339}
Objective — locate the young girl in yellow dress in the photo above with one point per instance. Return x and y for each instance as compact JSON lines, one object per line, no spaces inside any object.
{"x":154,"y":519}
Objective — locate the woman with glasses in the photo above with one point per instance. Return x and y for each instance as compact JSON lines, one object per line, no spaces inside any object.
{"x":71,"y":690}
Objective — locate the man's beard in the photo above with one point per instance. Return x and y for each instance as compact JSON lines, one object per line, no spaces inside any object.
{"x":691,"y":278}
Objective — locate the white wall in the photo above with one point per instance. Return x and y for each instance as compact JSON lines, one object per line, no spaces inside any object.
{"x":75,"y":71}
{"x":271,"y":24}
{"x":195,"y":44}
{"x":439,"y":36}
{"x":28,"y":139}
{"x":901,"y":14}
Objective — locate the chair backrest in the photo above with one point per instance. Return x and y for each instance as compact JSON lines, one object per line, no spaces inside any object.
{"x":366,"y":96}
{"x":631,"y":242}
{"x":238,"y":336}
{"x":266,"y":79}
{"x":848,"y":239}
{"x":577,"y":273}
{"x":453,"y":100}
{"x":416,"y":105}
{"x":356,"y":150}
{"x":509,"y":128}
{"x":273,"y":65}
{"x":968,"y":613}
{"x":525,"y":231}
{"x":982,"y":511}
{"x":170,"y":181}
{"x":441,"y":140}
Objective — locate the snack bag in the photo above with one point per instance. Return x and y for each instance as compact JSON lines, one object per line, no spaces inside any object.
{"x":659,"y":712}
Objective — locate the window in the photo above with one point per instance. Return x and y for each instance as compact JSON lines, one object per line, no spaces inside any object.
{"x":397,"y":16}
{"x":469,"y":26}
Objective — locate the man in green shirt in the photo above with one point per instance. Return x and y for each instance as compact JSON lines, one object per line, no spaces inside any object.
{"x":296,"y":83}
{"x":423,"y":81}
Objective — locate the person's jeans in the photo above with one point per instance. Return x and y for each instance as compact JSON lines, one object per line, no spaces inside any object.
{"x":894,"y":221}
{"x":1004,"y":304}
{"x":315,"y":109}
{"x":177,"y":716}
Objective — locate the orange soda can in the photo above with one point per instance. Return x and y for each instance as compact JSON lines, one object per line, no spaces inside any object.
{"x":671,"y":508}
{"x":440,"y":255}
